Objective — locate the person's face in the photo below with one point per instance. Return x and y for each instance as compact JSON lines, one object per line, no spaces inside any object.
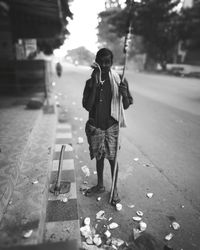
{"x":105,"y":62}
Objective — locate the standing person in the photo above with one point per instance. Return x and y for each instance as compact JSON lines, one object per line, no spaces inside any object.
{"x":59,"y":69}
{"x":101,"y":100}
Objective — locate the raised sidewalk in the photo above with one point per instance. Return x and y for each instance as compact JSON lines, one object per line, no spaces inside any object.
{"x":27,"y":139}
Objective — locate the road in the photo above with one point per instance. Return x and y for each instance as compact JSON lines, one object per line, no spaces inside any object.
{"x":164,"y":134}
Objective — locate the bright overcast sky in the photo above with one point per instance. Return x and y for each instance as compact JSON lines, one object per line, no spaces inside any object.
{"x":82,"y":27}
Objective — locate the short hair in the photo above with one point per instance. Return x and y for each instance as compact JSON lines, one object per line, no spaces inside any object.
{"x":104,"y":52}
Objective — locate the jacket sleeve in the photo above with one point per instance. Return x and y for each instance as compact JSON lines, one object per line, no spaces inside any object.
{"x":89,"y":94}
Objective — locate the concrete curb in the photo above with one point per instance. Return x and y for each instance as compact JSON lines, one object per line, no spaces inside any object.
{"x":62,"y":220}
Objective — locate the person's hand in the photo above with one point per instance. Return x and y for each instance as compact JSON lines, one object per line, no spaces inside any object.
{"x":123,"y":89}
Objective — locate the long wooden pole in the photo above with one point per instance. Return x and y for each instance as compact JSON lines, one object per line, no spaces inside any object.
{"x":119,"y":115}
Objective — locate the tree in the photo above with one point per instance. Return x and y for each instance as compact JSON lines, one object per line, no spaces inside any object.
{"x":189,"y":24}
{"x":107,"y":37}
{"x":81,"y":55}
{"x":155,"y":21}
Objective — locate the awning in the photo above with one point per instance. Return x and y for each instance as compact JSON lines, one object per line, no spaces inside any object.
{"x":38,"y":18}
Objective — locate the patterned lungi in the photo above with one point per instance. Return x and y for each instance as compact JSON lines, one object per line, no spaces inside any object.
{"x":102,"y":143}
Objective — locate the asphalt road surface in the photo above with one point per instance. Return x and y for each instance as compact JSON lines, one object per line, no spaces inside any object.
{"x":160,"y":153}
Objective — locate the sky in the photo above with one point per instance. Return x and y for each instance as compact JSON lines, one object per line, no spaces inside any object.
{"x":82,"y":27}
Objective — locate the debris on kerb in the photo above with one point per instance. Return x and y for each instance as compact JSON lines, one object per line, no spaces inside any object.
{"x":87,"y":221}
{"x":97,"y":240}
{"x":175,"y":225}
{"x":142,"y":226}
{"x":113,"y":225}
{"x":139,"y":213}
{"x":136,"y":233}
{"x":169,"y":236}
{"x":131,"y":206}
{"x":136,"y":218}
{"x":117,"y":242}
{"x":35,"y":182}
{"x":86,"y":170}
{"x":98,"y":198}
{"x":107,"y":234}
{"x":118,"y":206}
{"x":150,"y":195}
{"x":80,"y":140}
{"x":28,"y":233}
{"x":65,"y":199}
{"x":100,"y":215}
{"x":136,"y":159}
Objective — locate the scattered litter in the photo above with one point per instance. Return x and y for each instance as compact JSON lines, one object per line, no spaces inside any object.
{"x":75,"y":118}
{"x":57,"y":104}
{"x":86,"y":231}
{"x":85,"y":182}
{"x":97,"y":240}
{"x":110,"y":219}
{"x":84,"y":188}
{"x":89,"y":240}
{"x":35,"y":182}
{"x":136,"y":218}
{"x":53,"y":84}
{"x":143,"y":226}
{"x":98,"y":198}
{"x":175,"y":225}
{"x":169,"y":236}
{"x":146,"y":165}
{"x":100,"y":215}
{"x":136,"y":159}
{"x":76,"y":156}
{"x":149,"y":195}
{"x":10,"y":202}
{"x":86,"y":170}
{"x":136,"y":233}
{"x":28,"y":233}
{"x":87,"y":221}
{"x":182,"y":206}
{"x":107,"y":234}
{"x":80,"y":140}
{"x":118,"y":206}
{"x":65,"y":199}
{"x":117,"y":242}
{"x":139,"y":213}
{"x":113,"y":225}
{"x":131,"y":206}
{"x":95,"y":172}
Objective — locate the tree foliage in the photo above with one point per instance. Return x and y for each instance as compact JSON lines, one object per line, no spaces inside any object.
{"x":107,"y":35}
{"x":81,"y":55}
{"x":189,"y":26}
{"x":154,"y":20}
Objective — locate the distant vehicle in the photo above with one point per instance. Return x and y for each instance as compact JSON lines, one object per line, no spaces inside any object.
{"x":59,"y":69}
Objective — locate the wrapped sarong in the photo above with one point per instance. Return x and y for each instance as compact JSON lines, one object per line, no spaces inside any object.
{"x":102,"y":143}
